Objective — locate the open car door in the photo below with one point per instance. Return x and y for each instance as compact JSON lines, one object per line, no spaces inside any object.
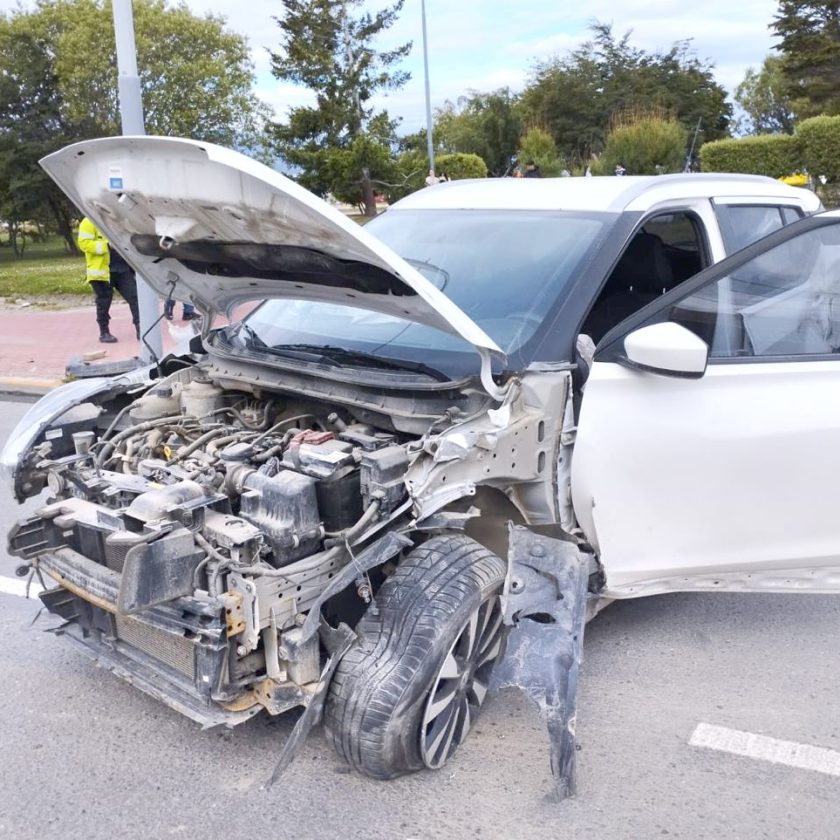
{"x":708,"y":446}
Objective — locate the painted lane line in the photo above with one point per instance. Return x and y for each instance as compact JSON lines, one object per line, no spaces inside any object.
{"x":762,"y":748}
{"x":17,"y":586}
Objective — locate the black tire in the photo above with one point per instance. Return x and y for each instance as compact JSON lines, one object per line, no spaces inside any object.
{"x":375,"y":706}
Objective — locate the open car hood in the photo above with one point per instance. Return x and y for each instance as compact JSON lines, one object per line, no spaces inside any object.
{"x":217,"y":228}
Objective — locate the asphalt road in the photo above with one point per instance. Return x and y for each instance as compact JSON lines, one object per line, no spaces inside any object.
{"x":83,"y":754}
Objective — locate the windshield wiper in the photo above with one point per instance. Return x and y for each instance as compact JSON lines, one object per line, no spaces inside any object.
{"x":340,"y":356}
{"x":304,"y":353}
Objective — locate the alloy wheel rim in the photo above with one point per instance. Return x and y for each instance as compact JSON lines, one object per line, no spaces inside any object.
{"x":459,"y":689}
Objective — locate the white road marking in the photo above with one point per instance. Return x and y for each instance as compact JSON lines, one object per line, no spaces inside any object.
{"x":762,"y":748}
{"x":17,"y":586}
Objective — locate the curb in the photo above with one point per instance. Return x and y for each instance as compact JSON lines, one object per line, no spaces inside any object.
{"x":23,"y":386}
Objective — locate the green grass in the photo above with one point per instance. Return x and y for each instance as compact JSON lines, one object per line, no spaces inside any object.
{"x":44,"y":269}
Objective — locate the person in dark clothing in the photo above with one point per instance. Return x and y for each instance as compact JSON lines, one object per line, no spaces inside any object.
{"x":106,"y":270}
{"x":125,"y":282}
{"x":532,"y":170}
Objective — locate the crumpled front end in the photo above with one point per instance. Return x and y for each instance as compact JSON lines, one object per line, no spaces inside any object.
{"x":192,"y":530}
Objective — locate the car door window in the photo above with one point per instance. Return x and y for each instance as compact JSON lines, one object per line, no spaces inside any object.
{"x":668,"y":249}
{"x":785,"y":302}
{"x":743,"y":224}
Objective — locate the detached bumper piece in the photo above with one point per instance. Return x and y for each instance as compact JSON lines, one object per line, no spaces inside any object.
{"x":545,"y":602}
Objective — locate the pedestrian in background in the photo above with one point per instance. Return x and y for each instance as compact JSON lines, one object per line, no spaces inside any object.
{"x":431,"y":178}
{"x":106,"y":270}
{"x":188,"y":312}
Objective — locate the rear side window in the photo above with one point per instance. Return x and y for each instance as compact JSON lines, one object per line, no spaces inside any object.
{"x":743,"y":224}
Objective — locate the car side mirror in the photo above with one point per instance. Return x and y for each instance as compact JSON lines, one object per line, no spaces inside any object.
{"x":668,"y":349}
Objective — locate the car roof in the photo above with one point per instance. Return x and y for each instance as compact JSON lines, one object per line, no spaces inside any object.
{"x":606,"y":193}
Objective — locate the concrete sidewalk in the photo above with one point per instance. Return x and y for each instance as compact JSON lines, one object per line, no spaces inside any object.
{"x":36,"y":345}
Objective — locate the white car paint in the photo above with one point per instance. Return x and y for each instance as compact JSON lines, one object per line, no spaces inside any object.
{"x":724,"y":482}
{"x":606,"y":194}
{"x":667,"y":347}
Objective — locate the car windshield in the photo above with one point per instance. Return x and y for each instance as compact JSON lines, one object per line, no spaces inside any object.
{"x":504,"y":269}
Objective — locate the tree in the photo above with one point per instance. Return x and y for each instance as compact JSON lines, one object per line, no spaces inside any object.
{"x":31,"y":125}
{"x":763,"y":98}
{"x":341,"y":145}
{"x":196,"y":77}
{"x":809,"y":43}
{"x":575,"y":97}
{"x":485,"y":124}
{"x":58,"y":84}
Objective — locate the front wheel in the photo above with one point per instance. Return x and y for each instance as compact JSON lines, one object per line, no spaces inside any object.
{"x":409,"y":689}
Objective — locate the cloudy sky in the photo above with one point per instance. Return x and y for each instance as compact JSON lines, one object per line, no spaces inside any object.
{"x":486,"y":44}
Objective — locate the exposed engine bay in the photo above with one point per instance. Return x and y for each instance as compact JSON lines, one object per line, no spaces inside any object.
{"x":212,"y":496}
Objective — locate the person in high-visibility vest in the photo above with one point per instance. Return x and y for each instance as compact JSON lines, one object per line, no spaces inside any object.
{"x":106,"y":270}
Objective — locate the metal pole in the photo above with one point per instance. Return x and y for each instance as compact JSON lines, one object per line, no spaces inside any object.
{"x":131,"y":115}
{"x":429,"y":141}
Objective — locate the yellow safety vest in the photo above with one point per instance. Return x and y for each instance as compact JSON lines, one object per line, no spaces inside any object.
{"x":95,"y":248}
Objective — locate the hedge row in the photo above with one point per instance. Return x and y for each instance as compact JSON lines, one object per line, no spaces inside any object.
{"x":775,"y":155}
{"x":820,"y":138}
{"x":814,"y":147}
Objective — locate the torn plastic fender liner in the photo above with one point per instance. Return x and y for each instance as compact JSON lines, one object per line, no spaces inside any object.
{"x":545,"y":602}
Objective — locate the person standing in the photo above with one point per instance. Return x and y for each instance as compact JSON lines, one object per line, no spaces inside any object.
{"x":106,"y":270}
{"x":431,"y":178}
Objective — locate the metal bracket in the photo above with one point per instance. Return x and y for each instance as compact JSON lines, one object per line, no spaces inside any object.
{"x":545,"y":601}
{"x":246,"y":614}
{"x":233,"y":603}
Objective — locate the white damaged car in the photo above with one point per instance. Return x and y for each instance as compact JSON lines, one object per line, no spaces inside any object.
{"x":438,"y":443}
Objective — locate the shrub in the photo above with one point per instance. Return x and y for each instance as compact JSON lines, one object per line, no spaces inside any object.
{"x":820,"y":141}
{"x":775,"y":155}
{"x":459,"y":165}
{"x":537,"y":145}
{"x":649,"y":145}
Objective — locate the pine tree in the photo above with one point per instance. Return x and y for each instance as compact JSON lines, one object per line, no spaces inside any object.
{"x":810,"y":47}
{"x":340,"y":144}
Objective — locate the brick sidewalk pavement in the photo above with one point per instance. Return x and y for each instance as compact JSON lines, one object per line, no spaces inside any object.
{"x":36,"y":344}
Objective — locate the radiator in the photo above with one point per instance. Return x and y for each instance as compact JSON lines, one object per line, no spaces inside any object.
{"x":175,"y":651}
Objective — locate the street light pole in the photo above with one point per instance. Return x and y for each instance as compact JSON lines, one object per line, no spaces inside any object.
{"x":131,"y":116}
{"x":429,"y":141}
